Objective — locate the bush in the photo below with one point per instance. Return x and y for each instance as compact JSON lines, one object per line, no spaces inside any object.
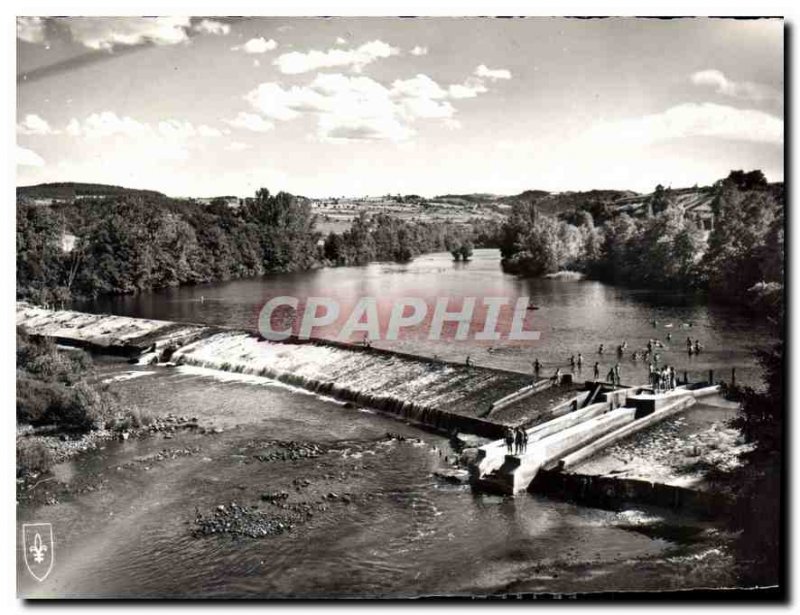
{"x":33,"y":457}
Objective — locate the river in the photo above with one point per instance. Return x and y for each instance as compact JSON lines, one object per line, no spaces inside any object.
{"x":123,"y":515}
{"x":574,"y":316}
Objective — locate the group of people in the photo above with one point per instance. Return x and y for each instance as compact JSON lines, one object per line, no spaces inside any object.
{"x":663,"y":379}
{"x":693,"y":347}
{"x":516,"y":441}
{"x":612,"y":376}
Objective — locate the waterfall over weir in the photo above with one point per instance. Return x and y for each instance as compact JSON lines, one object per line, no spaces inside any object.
{"x":443,"y":395}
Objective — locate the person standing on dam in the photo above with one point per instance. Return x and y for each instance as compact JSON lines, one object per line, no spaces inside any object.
{"x":509,"y":440}
{"x":524,"y":441}
{"x":537,"y":367}
{"x":580,"y":360}
{"x":596,"y":371}
{"x":518,"y":441}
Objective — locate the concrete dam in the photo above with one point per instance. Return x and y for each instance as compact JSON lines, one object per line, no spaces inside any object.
{"x":566,"y":422}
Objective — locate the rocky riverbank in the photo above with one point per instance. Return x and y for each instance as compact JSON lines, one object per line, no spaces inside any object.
{"x":61,"y":448}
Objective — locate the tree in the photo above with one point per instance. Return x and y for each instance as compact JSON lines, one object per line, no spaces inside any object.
{"x":738,"y":254}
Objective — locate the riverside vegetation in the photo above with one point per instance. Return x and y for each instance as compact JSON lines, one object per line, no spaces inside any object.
{"x":662,"y":247}
{"x":142,"y":241}
{"x":58,"y":400}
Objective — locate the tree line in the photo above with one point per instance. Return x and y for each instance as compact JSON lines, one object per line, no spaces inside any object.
{"x":742,"y":255}
{"x":138,"y":242}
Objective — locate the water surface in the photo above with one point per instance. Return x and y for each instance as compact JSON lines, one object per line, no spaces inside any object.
{"x":574,"y":316}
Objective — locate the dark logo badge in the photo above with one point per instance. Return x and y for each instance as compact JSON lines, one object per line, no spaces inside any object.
{"x":37,"y":544}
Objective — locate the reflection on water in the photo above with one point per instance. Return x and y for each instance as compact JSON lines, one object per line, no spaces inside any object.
{"x":573,"y":316}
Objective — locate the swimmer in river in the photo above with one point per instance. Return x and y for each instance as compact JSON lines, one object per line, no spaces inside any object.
{"x":596,"y":371}
{"x":580,"y":360}
{"x":600,"y":350}
{"x":468,"y":362}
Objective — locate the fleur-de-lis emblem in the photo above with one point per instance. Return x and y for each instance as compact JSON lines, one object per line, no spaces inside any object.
{"x":38,"y":549}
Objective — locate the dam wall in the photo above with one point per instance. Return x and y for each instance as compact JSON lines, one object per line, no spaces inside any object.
{"x":614,"y":493}
{"x":441,"y":395}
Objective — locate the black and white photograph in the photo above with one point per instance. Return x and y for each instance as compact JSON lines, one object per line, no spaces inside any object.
{"x":386,"y":307}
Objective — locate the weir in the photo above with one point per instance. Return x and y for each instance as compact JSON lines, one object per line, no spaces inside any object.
{"x":443,"y":395}
{"x":566,"y":423}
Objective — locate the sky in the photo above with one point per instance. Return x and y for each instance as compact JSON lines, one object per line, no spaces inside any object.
{"x":205,"y":106}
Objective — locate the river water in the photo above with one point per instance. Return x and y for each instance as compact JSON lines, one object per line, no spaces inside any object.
{"x":573,"y":316}
{"x":123,"y":515}
{"x":123,"y":519}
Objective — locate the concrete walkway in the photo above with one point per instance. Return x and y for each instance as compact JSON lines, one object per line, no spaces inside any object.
{"x":581,"y":432}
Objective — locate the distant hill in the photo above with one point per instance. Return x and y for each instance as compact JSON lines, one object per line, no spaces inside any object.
{"x":473,"y":199}
{"x":69,"y":191}
{"x":555,"y":203}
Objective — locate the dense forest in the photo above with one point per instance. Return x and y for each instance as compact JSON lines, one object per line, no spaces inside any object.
{"x":140,"y":241}
{"x":662,"y":247}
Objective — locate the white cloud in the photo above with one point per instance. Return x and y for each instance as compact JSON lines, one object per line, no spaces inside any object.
{"x":167,"y":140}
{"x":428,"y":108}
{"x":296,"y":62}
{"x":736,"y":89}
{"x":491,"y":73}
{"x":106,"y":124}
{"x":420,"y":85}
{"x":108,"y":32}
{"x":691,"y":120}
{"x":420,"y":97}
{"x":359,"y":108}
{"x":419,"y":51}
{"x":469,"y":89}
{"x":31,"y":29}
{"x":250,"y":121}
{"x":109,"y":124}
{"x":340,"y":40}
{"x":347,"y":108}
{"x":28,"y":158}
{"x":279,"y":104}
{"x":257,"y":45}
{"x":35,"y":125}
{"x":237,"y":146}
{"x":212,"y":26}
